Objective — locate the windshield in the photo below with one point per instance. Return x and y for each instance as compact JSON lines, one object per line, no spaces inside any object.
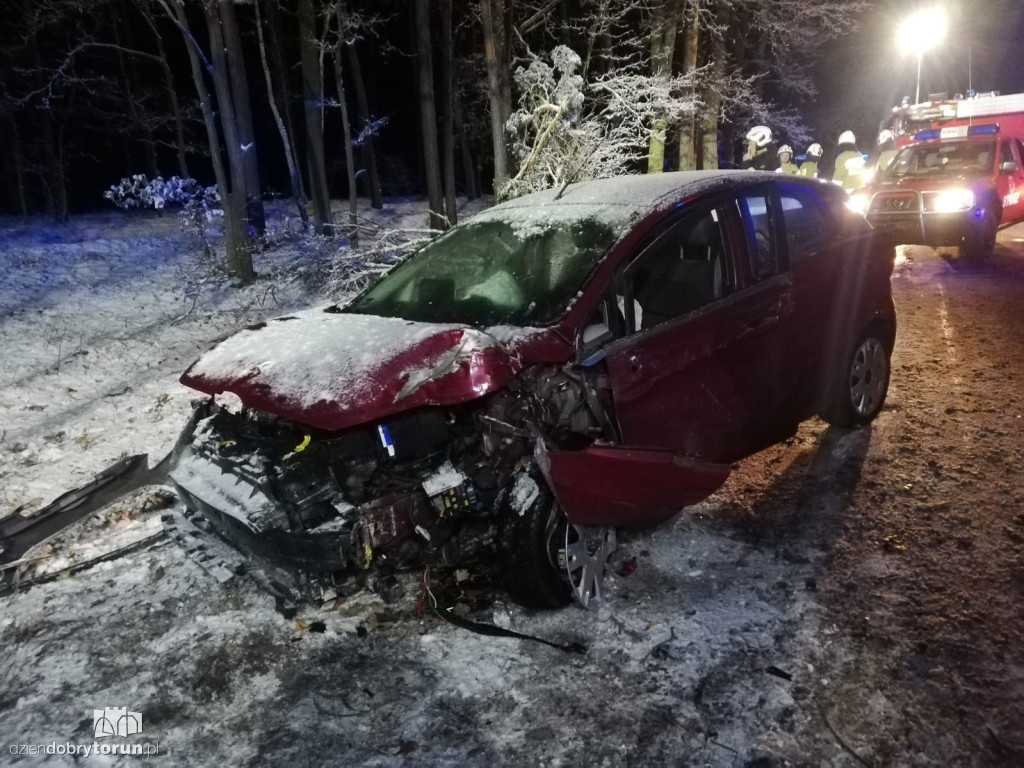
{"x":492,"y":272}
{"x":951,"y":158}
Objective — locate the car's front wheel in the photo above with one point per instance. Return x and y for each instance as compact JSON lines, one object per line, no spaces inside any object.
{"x":545,"y":560}
{"x":980,"y":241}
{"x":858,"y":393}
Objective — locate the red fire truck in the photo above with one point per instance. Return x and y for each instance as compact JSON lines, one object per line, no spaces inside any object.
{"x":957,"y":178}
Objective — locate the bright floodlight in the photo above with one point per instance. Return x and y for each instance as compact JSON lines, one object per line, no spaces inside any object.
{"x":922,"y":31}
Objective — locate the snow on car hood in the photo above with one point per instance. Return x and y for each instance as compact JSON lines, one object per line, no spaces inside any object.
{"x":332,"y":369}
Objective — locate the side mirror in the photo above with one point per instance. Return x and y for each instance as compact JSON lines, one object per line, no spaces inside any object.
{"x":591,"y":344}
{"x":1008,"y":167}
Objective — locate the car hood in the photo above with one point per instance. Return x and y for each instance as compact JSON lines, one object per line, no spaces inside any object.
{"x":330,"y":369}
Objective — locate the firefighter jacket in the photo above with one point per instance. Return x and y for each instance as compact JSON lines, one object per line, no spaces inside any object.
{"x":884,"y":160}
{"x":788,"y":167}
{"x":808,"y":168}
{"x":849,"y":167}
{"x":765,"y":159}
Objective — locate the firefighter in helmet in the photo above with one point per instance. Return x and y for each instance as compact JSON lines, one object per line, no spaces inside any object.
{"x":849,"y":169}
{"x":759,"y":155}
{"x":809,"y":167}
{"x":786,"y":164}
{"x":886,"y":150}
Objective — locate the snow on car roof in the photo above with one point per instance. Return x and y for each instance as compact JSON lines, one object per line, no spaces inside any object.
{"x":616,"y":201}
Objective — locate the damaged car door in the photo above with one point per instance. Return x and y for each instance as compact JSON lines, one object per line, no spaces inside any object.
{"x":700,"y":368}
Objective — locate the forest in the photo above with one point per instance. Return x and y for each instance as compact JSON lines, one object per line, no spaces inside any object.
{"x":309,"y":100}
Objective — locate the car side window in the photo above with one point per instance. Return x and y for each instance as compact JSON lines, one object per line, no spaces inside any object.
{"x":1020,"y":150}
{"x":683,"y":270}
{"x":1005,"y":153}
{"x":805,"y":220}
{"x":755,"y":211}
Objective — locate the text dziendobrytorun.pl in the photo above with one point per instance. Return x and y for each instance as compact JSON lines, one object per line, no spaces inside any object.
{"x":85,"y":750}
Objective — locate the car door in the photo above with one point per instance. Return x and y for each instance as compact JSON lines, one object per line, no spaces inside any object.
{"x":816,"y":258}
{"x":699,"y":369}
{"x":1010,"y":180}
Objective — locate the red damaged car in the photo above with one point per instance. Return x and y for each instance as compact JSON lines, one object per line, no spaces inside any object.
{"x":562,"y":365}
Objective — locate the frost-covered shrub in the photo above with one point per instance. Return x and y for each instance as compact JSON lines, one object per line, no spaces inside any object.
{"x":566,"y":129}
{"x":159,"y":193}
{"x":347,"y":270}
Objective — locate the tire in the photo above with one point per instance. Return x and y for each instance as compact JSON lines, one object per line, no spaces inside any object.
{"x":979,"y":242}
{"x":528,"y":549}
{"x":858,"y":391}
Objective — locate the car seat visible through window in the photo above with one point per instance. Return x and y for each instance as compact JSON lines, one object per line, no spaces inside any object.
{"x":681,"y":277}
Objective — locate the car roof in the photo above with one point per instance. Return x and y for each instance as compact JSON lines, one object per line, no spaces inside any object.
{"x":619,"y":200}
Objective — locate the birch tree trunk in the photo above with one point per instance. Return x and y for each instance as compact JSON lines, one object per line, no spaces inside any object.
{"x":293,"y":171}
{"x":283,"y":91}
{"x":428,"y":116}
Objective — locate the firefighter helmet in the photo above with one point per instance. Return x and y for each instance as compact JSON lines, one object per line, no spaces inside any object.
{"x":815,"y":151}
{"x":885,"y":136}
{"x":785,"y":148}
{"x":847,"y":137}
{"x":761,"y":135}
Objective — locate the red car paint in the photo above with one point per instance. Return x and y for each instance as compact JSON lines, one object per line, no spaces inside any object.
{"x":629,"y":487}
{"x":469,"y":376}
{"x":690,"y":395}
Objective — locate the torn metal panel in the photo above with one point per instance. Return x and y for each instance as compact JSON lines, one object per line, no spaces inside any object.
{"x":626,"y":486}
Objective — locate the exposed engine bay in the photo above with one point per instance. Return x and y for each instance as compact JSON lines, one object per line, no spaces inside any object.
{"x":427,"y":486}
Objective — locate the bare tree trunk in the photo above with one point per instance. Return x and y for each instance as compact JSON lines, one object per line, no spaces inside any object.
{"x":131,"y":85}
{"x":313,"y":96}
{"x":16,"y":177}
{"x":468,"y":168}
{"x":243,"y":116}
{"x":366,"y":148}
{"x":240,"y":260}
{"x":492,"y":14}
{"x":688,"y":129}
{"x":663,"y":42}
{"x":236,"y":240}
{"x":293,"y":171}
{"x":712,"y":101}
{"x":55,"y":183}
{"x":172,"y":92}
{"x":447,"y":109}
{"x":428,"y":115}
{"x":346,"y":128}
{"x":283,"y":90}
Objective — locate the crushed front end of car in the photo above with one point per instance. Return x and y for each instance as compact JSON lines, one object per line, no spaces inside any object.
{"x":428,"y":485}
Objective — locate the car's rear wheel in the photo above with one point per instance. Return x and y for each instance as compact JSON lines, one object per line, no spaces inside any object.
{"x":545,"y":560}
{"x":859,"y":391}
{"x":980,"y":241}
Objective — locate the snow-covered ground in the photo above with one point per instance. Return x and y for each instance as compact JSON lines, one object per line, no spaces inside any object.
{"x":708,"y":653}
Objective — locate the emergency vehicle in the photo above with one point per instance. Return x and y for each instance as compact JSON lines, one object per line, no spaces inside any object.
{"x":958,"y":176}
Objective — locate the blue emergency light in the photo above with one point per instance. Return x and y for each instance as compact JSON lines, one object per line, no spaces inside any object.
{"x":988,"y":129}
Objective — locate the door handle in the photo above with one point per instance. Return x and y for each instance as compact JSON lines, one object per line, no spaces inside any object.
{"x":758,"y":326}
{"x":635,"y":364}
